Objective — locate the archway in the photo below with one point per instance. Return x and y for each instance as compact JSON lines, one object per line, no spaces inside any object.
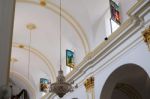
{"x":20,"y":82}
{"x":129,"y":81}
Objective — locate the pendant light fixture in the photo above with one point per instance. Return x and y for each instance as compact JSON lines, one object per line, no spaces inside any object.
{"x":60,"y":87}
{"x":30,"y":27}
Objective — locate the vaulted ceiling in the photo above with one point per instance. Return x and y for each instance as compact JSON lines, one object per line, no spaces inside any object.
{"x":79,"y":19}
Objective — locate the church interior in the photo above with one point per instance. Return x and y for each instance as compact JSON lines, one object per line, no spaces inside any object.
{"x":75,"y":49}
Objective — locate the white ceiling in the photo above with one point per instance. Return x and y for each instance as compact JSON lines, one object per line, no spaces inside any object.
{"x":79,"y":17}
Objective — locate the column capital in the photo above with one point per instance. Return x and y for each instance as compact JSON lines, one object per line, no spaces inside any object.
{"x":89,"y":83}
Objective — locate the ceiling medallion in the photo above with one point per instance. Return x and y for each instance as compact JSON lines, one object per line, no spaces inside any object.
{"x":21,"y":46}
{"x":31,"y":26}
{"x":42,"y":2}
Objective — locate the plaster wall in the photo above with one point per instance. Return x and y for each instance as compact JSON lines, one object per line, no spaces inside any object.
{"x":133,"y":50}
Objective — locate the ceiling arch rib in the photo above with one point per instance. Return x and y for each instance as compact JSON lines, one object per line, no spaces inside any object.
{"x":41,"y":56}
{"x":23,"y":82}
{"x":80,"y":32}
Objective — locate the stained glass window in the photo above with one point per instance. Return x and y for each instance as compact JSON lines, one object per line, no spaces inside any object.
{"x":70,"y":58}
{"x":115,"y":14}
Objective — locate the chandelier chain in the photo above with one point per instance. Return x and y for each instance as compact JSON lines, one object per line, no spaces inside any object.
{"x":60,"y":35}
{"x":29,"y":54}
{"x":60,"y":87}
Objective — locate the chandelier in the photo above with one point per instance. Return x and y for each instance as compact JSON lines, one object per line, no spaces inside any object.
{"x":60,"y":87}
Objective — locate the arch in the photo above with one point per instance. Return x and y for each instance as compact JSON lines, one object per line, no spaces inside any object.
{"x":128,"y":90}
{"x":69,"y":18}
{"x":25,"y":82}
{"x":132,"y":77}
{"x":41,"y":56}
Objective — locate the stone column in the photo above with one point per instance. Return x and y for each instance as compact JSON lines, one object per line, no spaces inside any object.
{"x":7,"y":8}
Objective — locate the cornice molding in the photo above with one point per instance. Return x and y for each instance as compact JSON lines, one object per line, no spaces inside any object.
{"x":127,"y":30}
{"x":137,"y":7}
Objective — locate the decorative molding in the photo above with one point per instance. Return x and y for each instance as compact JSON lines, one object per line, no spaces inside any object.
{"x":127,"y":30}
{"x":136,"y":7}
{"x":146,"y":35}
{"x":89,"y":83}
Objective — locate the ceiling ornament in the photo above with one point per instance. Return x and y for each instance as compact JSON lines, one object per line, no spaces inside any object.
{"x":31,"y":26}
{"x":21,"y":46}
{"x":60,"y":87}
{"x":43,"y":2}
{"x":146,"y":35}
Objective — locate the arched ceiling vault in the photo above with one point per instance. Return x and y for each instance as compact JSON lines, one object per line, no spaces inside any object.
{"x":69,"y":18}
{"x":45,"y":43}
{"x":44,"y":46}
{"x":41,"y":56}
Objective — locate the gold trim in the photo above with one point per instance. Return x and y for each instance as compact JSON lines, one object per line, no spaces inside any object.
{"x":89,"y":84}
{"x":132,"y":22}
{"x":43,"y":3}
{"x":21,"y":46}
{"x":31,"y":26}
{"x":146,"y":36}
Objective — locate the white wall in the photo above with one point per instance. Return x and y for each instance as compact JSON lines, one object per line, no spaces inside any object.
{"x":139,"y":55}
{"x":125,"y":5}
{"x":133,"y":50}
{"x":102,"y":26}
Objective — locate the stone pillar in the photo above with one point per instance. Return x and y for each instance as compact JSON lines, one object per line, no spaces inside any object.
{"x":7,"y":8}
{"x":89,"y":85}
